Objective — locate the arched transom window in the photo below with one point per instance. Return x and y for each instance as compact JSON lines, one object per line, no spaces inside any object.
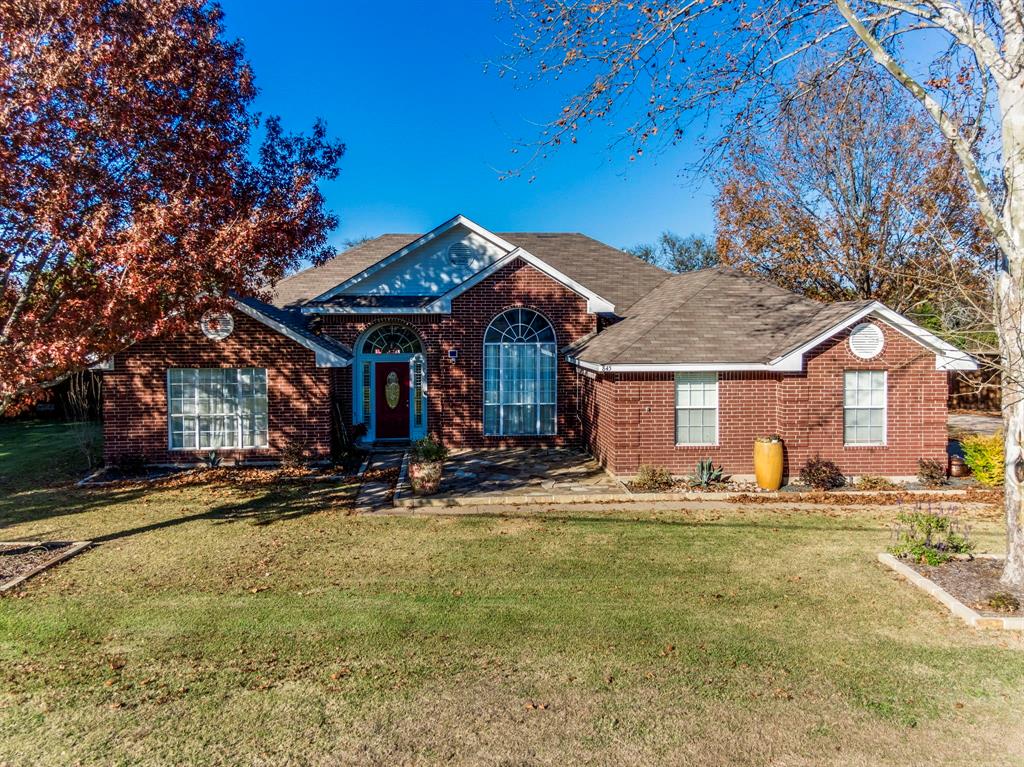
{"x":519,"y":374}
{"x":391,"y":339}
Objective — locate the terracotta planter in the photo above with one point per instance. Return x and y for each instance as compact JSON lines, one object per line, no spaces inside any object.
{"x":957,"y":467}
{"x":768,"y":465}
{"x":425,"y":477}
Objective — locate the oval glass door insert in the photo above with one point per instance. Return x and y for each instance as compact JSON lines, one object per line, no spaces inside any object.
{"x":392,"y":391}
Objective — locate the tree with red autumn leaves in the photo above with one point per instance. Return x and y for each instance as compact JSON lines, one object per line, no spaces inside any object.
{"x":129,"y":197}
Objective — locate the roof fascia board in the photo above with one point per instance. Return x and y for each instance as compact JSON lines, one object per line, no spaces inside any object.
{"x":325,"y":358}
{"x":431,"y":235}
{"x":680,"y":367}
{"x":432,"y":308}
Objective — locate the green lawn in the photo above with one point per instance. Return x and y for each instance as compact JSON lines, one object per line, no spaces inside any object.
{"x":266,"y":625}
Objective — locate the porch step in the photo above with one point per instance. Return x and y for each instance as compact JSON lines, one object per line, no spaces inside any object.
{"x":378,"y":486}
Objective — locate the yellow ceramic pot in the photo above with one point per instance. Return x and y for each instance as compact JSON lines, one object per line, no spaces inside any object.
{"x":768,"y":464}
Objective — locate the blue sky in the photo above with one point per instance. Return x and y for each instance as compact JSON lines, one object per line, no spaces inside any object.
{"x":427,"y":129}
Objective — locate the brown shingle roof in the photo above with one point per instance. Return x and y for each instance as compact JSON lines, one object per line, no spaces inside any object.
{"x":309,"y":283}
{"x":609,"y":272}
{"x":715,"y":315}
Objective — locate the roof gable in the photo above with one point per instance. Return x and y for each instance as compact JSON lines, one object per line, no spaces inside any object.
{"x":401,"y":270}
{"x":423,"y":266}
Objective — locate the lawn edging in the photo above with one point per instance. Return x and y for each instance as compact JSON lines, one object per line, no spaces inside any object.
{"x":967,"y":614}
{"x":77,"y":547}
{"x":405,"y":499}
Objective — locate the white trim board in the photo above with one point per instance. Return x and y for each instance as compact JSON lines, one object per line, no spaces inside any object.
{"x":947,"y":356}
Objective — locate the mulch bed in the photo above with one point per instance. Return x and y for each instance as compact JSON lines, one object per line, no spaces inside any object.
{"x":18,"y":558}
{"x":866,"y":498}
{"x":973,"y":582}
{"x":241,"y":476}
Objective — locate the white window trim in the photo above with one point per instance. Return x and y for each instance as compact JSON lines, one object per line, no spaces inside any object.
{"x":501,"y":414}
{"x":885,"y":409}
{"x":238,"y":418}
{"x":676,"y":409}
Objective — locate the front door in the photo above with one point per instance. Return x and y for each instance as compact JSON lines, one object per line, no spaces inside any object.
{"x":392,"y":400}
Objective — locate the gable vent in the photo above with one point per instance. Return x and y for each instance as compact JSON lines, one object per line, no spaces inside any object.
{"x":866,"y":341}
{"x":460,"y":254}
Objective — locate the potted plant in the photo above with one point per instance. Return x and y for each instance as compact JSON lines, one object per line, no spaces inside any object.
{"x":425,"y":465}
{"x":768,"y":462}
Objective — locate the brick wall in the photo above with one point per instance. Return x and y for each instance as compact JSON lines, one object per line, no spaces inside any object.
{"x":637,"y":414}
{"x":135,"y":392}
{"x":455,"y":390}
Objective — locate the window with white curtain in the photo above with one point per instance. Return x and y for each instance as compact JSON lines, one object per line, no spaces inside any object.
{"x":217,"y":408}
{"x":519,"y":374}
{"x":696,"y":408}
{"x":864,"y":407}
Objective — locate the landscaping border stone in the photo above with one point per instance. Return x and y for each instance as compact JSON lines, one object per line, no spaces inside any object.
{"x":77,"y":547}
{"x":967,"y":614}
{"x":406,"y":500}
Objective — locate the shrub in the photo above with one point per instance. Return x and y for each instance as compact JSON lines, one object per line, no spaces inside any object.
{"x":871,"y":482}
{"x":821,"y":474}
{"x":652,"y":478}
{"x":931,"y":473}
{"x":928,"y":536}
{"x":428,"y":450}
{"x":706,"y":474}
{"x":984,"y":455}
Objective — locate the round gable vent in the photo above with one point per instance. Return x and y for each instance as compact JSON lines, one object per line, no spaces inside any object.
{"x":217,"y":325}
{"x":866,"y":341}
{"x":460,"y":254}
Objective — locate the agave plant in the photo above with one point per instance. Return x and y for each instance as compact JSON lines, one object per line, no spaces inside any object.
{"x":707,"y":473}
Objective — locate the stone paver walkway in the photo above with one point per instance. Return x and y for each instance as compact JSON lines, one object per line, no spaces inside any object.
{"x":525,"y":472}
{"x":376,"y":491}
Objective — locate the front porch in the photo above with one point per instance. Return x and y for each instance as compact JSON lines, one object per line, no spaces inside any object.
{"x":517,"y":475}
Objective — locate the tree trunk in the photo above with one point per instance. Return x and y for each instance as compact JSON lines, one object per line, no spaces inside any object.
{"x":1010,"y":294}
{"x":1010,"y":305}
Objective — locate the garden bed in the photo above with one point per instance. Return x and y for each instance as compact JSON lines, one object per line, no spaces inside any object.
{"x":20,"y":560}
{"x":169,"y":476}
{"x":970,"y":581}
{"x":973,"y":581}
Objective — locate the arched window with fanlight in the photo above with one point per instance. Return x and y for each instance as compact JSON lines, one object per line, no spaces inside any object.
{"x":519,"y":374}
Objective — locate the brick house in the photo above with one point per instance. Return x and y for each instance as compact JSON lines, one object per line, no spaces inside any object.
{"x":489,"y":340}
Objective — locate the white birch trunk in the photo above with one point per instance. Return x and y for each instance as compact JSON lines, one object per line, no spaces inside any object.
{"x":1010,"y":303}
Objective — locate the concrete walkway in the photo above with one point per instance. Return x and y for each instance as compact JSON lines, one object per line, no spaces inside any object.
{"x":378,"y":487}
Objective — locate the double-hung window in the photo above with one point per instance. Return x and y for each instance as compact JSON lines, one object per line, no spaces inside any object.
{"x":217,"y":408}
{"x":696,"y":408}
{"x":864,"y":407}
